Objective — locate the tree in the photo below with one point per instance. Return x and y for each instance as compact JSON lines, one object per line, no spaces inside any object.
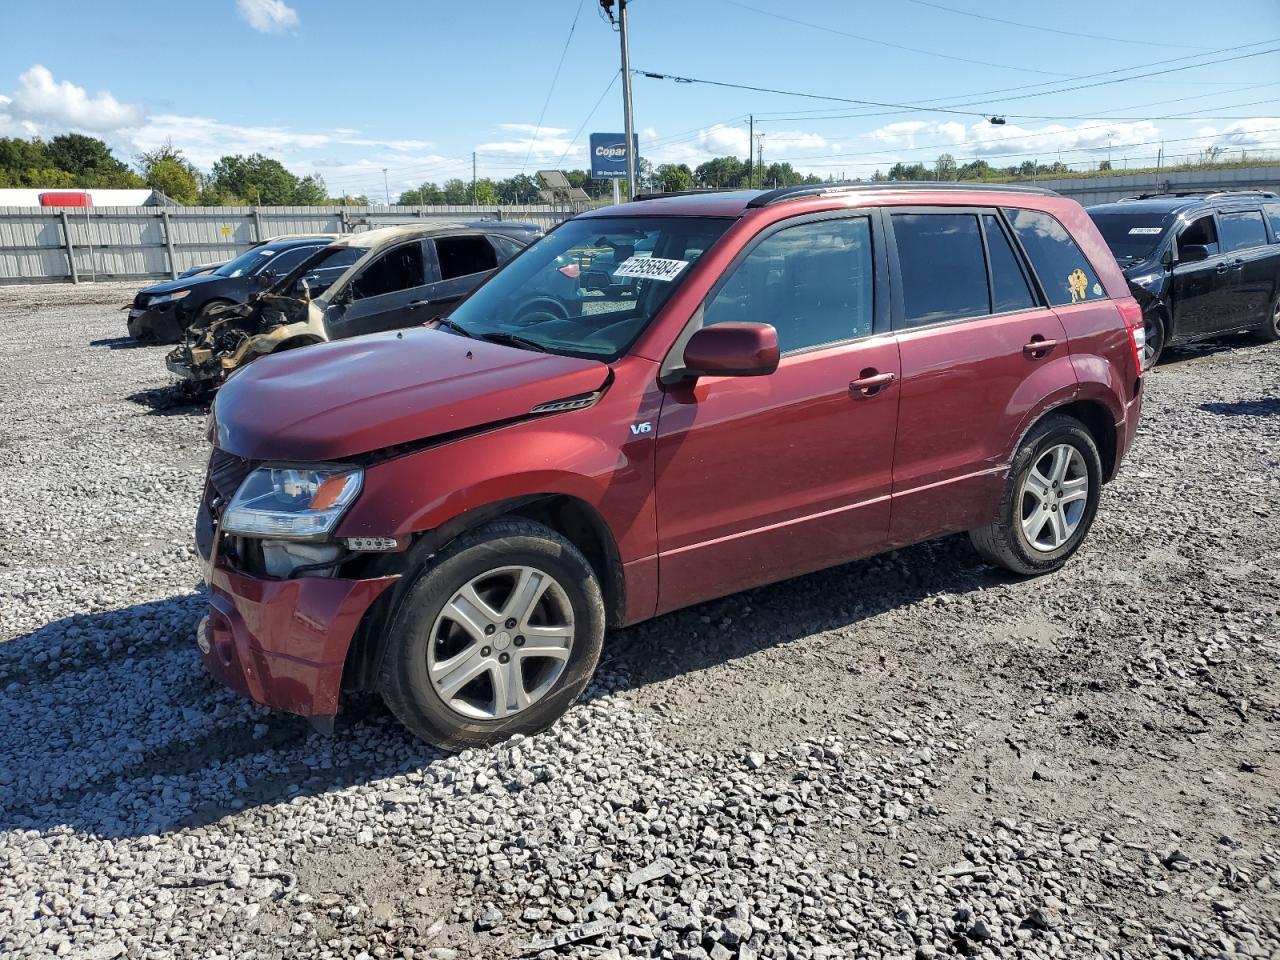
{"x":174,"y":180}
{"x":256,"y":179}
{"x":83,"y":156}
{"x":347,"y":200}
{"x":721,"y":172}
{"x":311,"y":192}
{"x":485,"y":191}
{"x":673,"y":177}
{"x":944,"y":167}
{"x":456,"y":191}
{"x":521,"y":188}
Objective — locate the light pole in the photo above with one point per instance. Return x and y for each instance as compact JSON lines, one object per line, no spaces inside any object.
{"x":386,"y":186}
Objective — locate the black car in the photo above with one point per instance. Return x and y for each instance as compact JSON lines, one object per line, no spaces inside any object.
{"x":1200,"y":265}
{"x":161,"y":313}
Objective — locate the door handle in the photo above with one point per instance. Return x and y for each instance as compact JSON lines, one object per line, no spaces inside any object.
{"x":1038,"y":348}
{"x":870,"y":383}
{"x":1221,"y":268}
{"x":1237,"y":264}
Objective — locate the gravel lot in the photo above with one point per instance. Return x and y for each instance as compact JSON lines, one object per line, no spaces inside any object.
{"x":911,"y":756}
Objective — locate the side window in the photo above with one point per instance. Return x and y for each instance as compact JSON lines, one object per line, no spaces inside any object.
{"x":1201,"y":233}
{"x":1242,"y":229}
{"x":398,"y":269}
{"x":1273,"y":214}
{"x":463,"y":256}
{"x":1064,"y":273}
{"x":506,"y":247}
{"x":1009,"y":289}
{"x":944,"y":275}
{"x":290,"y":259}
{"x":814,"y":282}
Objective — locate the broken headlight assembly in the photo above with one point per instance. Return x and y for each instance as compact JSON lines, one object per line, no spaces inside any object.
{"x":292,"y":502}
{"x":167,"y":298}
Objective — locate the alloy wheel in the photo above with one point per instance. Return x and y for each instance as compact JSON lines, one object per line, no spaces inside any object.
{"x":501,"y":642}
{"x":1055,"y":493}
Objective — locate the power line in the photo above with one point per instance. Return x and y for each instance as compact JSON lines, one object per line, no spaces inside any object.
{"x":565,"y":49}
{"x":1065,"y":33}
{"x":895,"y":46}
{"x":583,"y":125}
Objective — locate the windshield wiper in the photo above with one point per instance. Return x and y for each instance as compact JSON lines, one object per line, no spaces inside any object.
{"x":455,"y":327}
{"x":514,"y":340}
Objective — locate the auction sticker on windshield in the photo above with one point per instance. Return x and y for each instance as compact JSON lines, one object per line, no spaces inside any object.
{"x":650,"y":268}
{"x":1146,"y":231}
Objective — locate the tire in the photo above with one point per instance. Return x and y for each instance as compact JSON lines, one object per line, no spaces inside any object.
{"x":1157,"y":334}
{"x":202,"y":315}
{"x":488,"y":560}
{"x":1269,"y":331}
{"x":1005,"y":542}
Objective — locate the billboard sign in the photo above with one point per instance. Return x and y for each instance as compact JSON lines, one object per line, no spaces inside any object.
{"x":609,"y":155}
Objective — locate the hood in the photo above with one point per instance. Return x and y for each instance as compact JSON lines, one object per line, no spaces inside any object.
{"x":339,"y":399}
{"x":182,"y":283}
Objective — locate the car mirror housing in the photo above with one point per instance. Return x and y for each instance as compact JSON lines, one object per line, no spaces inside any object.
{"x":1192,"y":253}
{"x":732,"y":350}
{"x":265,"y":278}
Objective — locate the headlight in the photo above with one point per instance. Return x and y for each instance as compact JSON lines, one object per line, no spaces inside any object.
{"x":167,"y":297}
{"x":292,"y":503}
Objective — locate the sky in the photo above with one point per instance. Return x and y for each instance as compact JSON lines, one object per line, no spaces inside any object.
{"x":416,"y":87}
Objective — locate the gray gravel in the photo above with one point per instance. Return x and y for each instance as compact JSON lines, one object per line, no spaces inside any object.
{"x":911,"y":756}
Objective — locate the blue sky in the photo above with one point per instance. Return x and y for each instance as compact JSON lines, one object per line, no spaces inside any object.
{"x":415,"y":86}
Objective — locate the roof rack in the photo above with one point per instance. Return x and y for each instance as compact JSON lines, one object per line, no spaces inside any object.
{"x":825,"y":189}
{"x":1200,"y":195}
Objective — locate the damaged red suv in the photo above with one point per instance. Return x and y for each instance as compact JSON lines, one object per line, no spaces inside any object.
{"x":773,"y":383}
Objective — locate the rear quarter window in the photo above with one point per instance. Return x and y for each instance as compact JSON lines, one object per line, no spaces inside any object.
{"x":1063,"y":270}
{"x":1242,"y":229}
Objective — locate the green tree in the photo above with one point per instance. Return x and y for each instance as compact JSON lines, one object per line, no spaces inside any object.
{"x":173,"y":179}
{"x":455,"y":191}
{"x":426,"y":194}
{"x":944,"y":167}
{"x":521,"y":188}
{"x":311,"y":192}
{"x":721,"y":172}
{"x":83,"y":156}
{"x":672,"y":177}
{"x":486,"y":192}
{"x":256,"y":179}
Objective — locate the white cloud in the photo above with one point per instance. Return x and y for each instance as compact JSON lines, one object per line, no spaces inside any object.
{"x":1260,"y":131}
{"x":268,"y":16}
{"x":41,"y":100}
{"x":983,"y":139}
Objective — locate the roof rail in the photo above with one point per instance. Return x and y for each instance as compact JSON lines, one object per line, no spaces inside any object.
{"x":696,"y":192}
{"x":825,"y":189}
{"x":1201,"y":195}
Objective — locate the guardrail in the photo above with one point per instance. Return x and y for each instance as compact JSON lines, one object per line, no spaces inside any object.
{"x":83,"y":244}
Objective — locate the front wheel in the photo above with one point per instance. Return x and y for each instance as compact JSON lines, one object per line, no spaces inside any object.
{"x":1050,"y":499}
{"x":499,"y":635}
{"x":1269,"y":331}
{"x":1155,"y":337}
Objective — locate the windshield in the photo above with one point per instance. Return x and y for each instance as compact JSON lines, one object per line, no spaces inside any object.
{"x":590,"y":287}
{"x":1132,"y":236}
{"x":320,"y":270}
{"x":246,"y":262}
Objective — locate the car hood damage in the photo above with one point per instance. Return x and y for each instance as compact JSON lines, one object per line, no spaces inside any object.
{"x":225,"y":338}
{"x":349,"y":397}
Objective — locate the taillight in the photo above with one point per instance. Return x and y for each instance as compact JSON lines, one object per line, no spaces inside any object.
{"x":1131,"y":311}
{"x":571,"y":271}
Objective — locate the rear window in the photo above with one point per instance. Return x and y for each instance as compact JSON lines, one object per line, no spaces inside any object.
{"x":1242,"y":229}
{"x":1273,"y":214}
{"x":398,"y":269}
{"x":1009,"y":288}
{"x":463,"y":256}
{"x":944,"y":274}
{"x":1064,"y":273}
{"x":1132,"y":236}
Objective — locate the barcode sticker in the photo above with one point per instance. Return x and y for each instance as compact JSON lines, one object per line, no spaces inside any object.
{"x":650,"y":268}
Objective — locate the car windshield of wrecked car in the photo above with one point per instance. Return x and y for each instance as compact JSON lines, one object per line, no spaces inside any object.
{"x":246,"y":262}
{"x":590,"y":287}
{"x":1132,"y":236}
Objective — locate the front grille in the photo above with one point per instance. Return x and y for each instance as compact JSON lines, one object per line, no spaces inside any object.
{"x":227,"y":472}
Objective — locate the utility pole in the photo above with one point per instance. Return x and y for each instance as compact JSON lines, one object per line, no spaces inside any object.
{"x":386,"y":186}
{"x":751,"y":142}
{"x":627,"y":120}
{"x":473,"y":177}
{"x":760,"y":156}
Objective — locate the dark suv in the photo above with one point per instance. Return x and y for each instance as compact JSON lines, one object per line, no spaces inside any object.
{"x":453,"y":516}
{"x":1199,"y":264}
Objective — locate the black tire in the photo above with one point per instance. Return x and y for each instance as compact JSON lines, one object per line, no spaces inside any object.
{"x":1003,"y":542}
{"x":1269,"y":331}
{"x":404,"y":681}
{"x":1157,"y":334}
{"x":202,"y":315}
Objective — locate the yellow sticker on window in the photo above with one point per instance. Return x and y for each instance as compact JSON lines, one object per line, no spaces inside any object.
{"x":1079,"y":284}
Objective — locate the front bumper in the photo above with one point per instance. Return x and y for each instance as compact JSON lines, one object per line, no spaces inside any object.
{"x":179,"y":362}
{"x":165,"y":323}
{"x":283,"y":643}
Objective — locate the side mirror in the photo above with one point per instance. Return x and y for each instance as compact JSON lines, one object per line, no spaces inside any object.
{"x":1166,"y":258}
{"x":1192,"y":253}
{"x":732,"y":350}
{"x":266,"y":278}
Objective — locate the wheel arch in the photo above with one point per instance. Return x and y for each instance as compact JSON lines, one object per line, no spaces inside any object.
{"x":572,"y":517}
{"x":1097,"y":418}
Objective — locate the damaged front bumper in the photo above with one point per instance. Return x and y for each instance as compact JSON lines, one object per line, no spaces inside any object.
{"x":281,"y":642}
{"x":163,"y":323}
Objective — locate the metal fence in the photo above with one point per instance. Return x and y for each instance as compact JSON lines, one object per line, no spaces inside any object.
{"x":42,"y":244}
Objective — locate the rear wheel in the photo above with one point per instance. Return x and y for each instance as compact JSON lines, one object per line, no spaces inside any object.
{"x":1270,"y":329}
{"x":1050,"y":499}
{"x":499,"y":635}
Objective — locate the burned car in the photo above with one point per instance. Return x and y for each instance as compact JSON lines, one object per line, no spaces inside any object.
{"x":377,"y":280}
{"x":162,"y":312}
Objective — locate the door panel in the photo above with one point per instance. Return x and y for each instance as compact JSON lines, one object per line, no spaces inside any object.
{"x":1251,"y":279}
{"x":383,"y":292}
{"x":966,"y":388}
{"x":759,"y":479}
{"x":1200,"y":296}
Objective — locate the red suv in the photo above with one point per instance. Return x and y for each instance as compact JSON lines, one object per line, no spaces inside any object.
{"x":453,"y":515}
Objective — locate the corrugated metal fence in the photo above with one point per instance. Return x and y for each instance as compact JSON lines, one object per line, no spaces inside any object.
{"x":42,"y":244}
